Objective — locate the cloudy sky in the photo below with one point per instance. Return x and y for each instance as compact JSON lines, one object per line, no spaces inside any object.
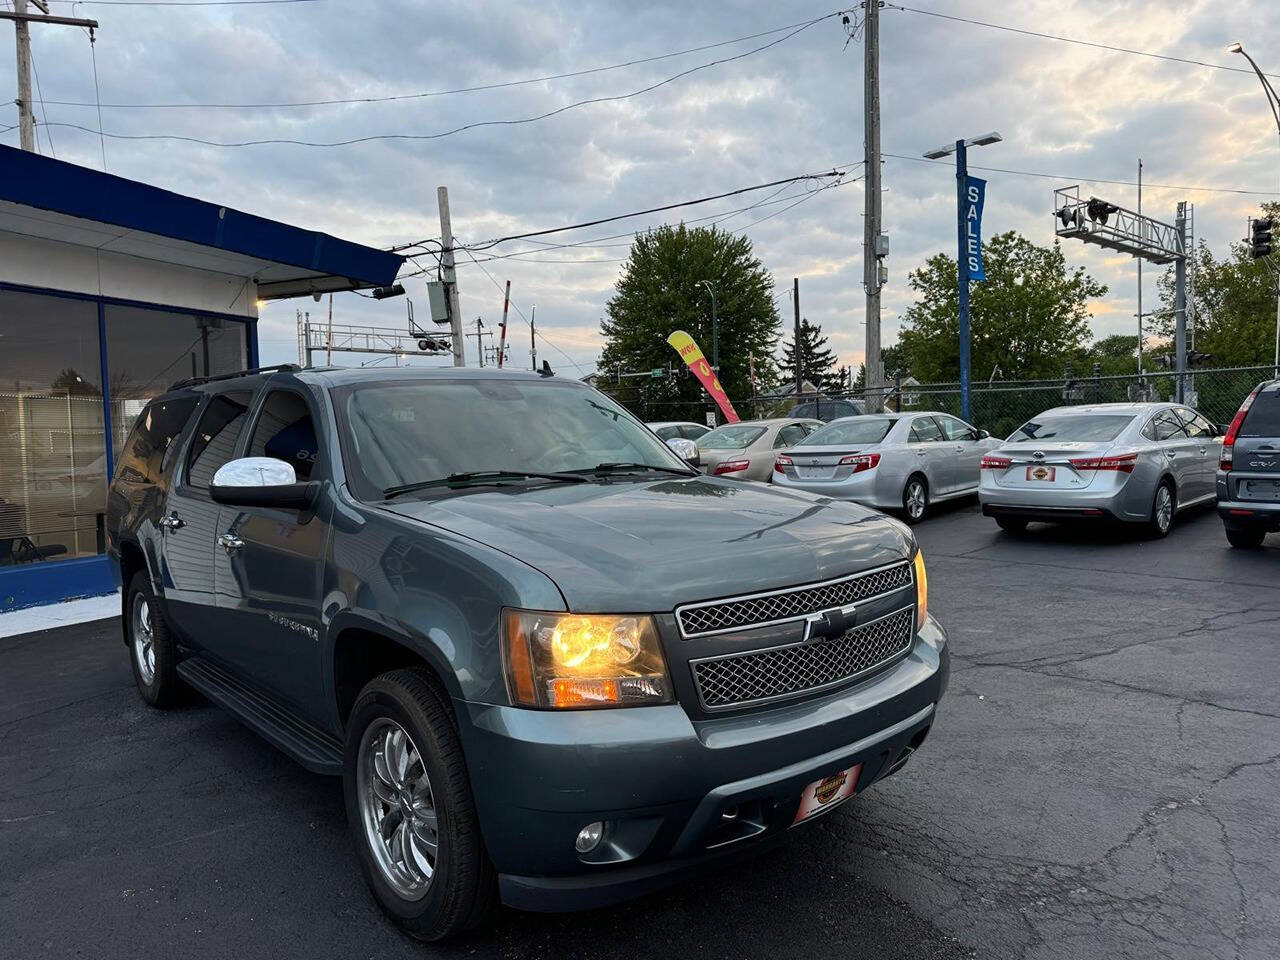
{"x":1070,"y":113}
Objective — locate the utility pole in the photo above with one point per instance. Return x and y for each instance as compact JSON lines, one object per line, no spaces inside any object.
{"x":502,"y":338}
{"x":1140,"y":277}
{"x":1180,"y":307}
{"x":871,"y":223}
{"x":22,"y":31}
{"x":328,"y":360}
{"x":795,"y":299}
{"x":479,"y":334}
{"x":533,"y":336}
{"x":449,"y":274}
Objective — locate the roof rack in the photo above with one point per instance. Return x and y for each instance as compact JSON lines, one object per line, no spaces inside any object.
{"x":193,"y":381}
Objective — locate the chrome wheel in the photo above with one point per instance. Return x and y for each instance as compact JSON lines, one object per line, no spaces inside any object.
{"x":915,"y":500}
{"x":144,"y":644}
{"x":1164,"y":508}
{"x":397,"y":808}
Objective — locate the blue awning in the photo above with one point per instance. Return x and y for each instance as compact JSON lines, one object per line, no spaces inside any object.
{"x":50,"y":198}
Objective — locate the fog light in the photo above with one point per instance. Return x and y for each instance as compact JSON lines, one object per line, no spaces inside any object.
{"x":589,"y":837}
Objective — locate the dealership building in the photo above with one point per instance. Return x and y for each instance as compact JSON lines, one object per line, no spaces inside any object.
{"x":110,"y":291}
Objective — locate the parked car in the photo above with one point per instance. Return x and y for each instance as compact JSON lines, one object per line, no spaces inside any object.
{"x":1134,"y":462}
{"x":554,"y":666}
{"x":893,"y":461}
{"x":746,"y":450}
{"x":825,"y":410}
{"x":1248,"y":476}
{"x":677,"y":429}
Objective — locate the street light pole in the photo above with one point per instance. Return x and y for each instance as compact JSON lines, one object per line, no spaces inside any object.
{"x":715,"y":327}
{"x":961,"y":150}
{"x":1273,"y":101}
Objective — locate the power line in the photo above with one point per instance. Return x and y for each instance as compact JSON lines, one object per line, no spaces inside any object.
{"x":466,"y":126}
{"x":1122,"y":183}
{"x":178,"y":3}
{"x":1082,"y":43}
{"x":434,"y":93}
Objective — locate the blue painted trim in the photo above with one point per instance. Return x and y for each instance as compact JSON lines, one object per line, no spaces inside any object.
{"x":251,"y":344}
{"x":52,"y":581}
{"x":44,"y":183}
{"x":106,"y":391}
{"x":120,"y":302}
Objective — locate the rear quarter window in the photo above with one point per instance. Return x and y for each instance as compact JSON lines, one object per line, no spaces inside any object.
{"x":1263,"y":418}
{"x":145,"y":458}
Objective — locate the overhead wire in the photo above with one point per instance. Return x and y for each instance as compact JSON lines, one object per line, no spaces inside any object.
{"x":459,"y":129}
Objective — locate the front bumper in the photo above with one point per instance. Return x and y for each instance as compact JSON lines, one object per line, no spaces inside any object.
{"x":676,"y":793}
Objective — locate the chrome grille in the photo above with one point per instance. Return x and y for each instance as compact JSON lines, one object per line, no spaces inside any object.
{"x":758,"y":609}
{"x":789,"y":671}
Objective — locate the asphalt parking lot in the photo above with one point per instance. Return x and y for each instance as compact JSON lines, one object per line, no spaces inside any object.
{"x":1103,"y":780}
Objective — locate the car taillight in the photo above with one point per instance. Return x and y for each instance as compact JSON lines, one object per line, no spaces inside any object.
{"x":732,"y":466}
{"x":861,"y":461}
{"x":1226,"y":458}
{"x":993,"y":462}
{"x":780,"y":465}
{"x":1123,"y":463}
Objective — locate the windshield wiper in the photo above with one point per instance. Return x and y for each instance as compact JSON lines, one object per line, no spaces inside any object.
{"x":478,"y":477}
{"x":610,"y":467}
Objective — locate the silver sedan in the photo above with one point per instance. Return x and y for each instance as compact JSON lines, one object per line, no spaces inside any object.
{"x":746,"y":450}
{"x":894,"y":461}
{"x":1136,"y":462}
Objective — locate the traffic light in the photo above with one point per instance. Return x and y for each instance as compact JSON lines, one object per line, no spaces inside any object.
{"x":1197,"y":359}
{"x":381,"y":293}
{"x":1260,"y":237}
{"x":1070,"y":217}
{"x":1099,"y":210}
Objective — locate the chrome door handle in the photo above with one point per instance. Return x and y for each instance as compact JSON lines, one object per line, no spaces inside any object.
{"x":230,"y":542}
{"x":172,"y":522}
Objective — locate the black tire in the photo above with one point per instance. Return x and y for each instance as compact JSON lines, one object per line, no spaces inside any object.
{"x":1012,"y":524}
{"x":154,"y":665}
{"x":463,"y":890}
{"x":1245,"y":538}
{"x":1160,"y":522}
{"x":915,"y":499}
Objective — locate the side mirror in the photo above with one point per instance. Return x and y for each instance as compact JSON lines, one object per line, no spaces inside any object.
{"x":261,"y":482}
{"x":984,"y":435}
{"x":685,"y":449}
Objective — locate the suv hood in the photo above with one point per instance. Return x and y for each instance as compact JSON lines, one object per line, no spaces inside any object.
{"x":647,"y":546}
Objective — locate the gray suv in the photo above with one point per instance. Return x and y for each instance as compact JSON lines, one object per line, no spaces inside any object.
{"x":554,"y":666}
{"x":1249,"y":469}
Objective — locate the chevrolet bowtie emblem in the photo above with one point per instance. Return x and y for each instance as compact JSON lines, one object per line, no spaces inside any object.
{"x":830,"y":623}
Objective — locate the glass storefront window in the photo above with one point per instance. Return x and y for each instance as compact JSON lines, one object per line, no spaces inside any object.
{"x":52,"y":455}
{"x":147,"y":350}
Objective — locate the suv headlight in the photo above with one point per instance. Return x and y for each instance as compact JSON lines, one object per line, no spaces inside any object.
{"x":569,"y":660}
{"x":922,"y":588}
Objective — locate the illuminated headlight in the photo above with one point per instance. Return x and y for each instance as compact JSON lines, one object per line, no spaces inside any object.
{"x":565,"y":660}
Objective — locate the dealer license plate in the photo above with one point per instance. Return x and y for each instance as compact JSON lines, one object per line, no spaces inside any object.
{"x":1041,"y":472}
{"x":822,"y":795}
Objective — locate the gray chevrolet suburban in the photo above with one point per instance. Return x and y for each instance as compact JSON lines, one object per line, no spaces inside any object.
{"x":554,"y":666}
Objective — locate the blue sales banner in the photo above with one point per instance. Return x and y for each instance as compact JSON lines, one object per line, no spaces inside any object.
{"x":975,"y":194}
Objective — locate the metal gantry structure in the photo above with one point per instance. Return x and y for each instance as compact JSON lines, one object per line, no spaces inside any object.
{"x":334,"y":338}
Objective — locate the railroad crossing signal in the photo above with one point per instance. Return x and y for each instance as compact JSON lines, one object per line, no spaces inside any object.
{"x":1260,"y":237}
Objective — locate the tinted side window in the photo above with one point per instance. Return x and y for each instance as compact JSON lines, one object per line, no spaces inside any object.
{"x":1263,"y":418}
{"x":691,"y":431}
{"x":955,"y":429}
{"x":1167,"y":427}
{"x":216,"y":434}
{"x":144,"y":458}
{"x":667,"y":433}
{"x":925,"y":430}
{"x":286,"y":432}
{"x":790,"y":435}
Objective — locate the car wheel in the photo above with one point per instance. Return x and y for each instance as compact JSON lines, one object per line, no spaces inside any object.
{"x":1011,"y":524}
{"x":1163,"y":506}
{"x":152,"y":652}
{"x":410,"y":809}
{"x":915,"y":499}
{"x":1245,"y":538}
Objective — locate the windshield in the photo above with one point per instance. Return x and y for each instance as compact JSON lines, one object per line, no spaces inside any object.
{"x":735,"y":436}
{"x":402,"y":432}
{"x":1074,"y":427}
{"x":862,"y":430}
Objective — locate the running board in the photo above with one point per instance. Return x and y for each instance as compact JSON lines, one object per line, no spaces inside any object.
{"x":310,"y":746}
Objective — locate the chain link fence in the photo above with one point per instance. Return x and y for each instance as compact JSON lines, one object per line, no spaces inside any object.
{"x":1003,"y":405}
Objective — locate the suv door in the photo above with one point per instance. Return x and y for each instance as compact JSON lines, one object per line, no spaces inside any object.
{"x":962,"y":439}
{"x":927,"y":441}
{"x":190,"y":521}
{"x":268,"y":565}
{"x":1207,"y":447}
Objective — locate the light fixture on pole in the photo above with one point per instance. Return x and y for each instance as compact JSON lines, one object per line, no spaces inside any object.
{"x":715,"y":327}
{"x":964,"y":261}
{"x":1273,"y":101}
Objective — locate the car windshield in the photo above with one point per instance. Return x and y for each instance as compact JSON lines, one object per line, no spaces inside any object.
{"x":861,"y":430}
{"x":1074,"y":427}
{"x":408,"y":432}
{"x":735,"y":436}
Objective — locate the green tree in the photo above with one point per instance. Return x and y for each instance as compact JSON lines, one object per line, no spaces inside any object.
{"x":70,"y":382}
{"x":1028,"y":318}
{"x":1233,"y":305}
{"x":661,"y":290}
{"x":817,"y":361}
{"x":1116,"y":355}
